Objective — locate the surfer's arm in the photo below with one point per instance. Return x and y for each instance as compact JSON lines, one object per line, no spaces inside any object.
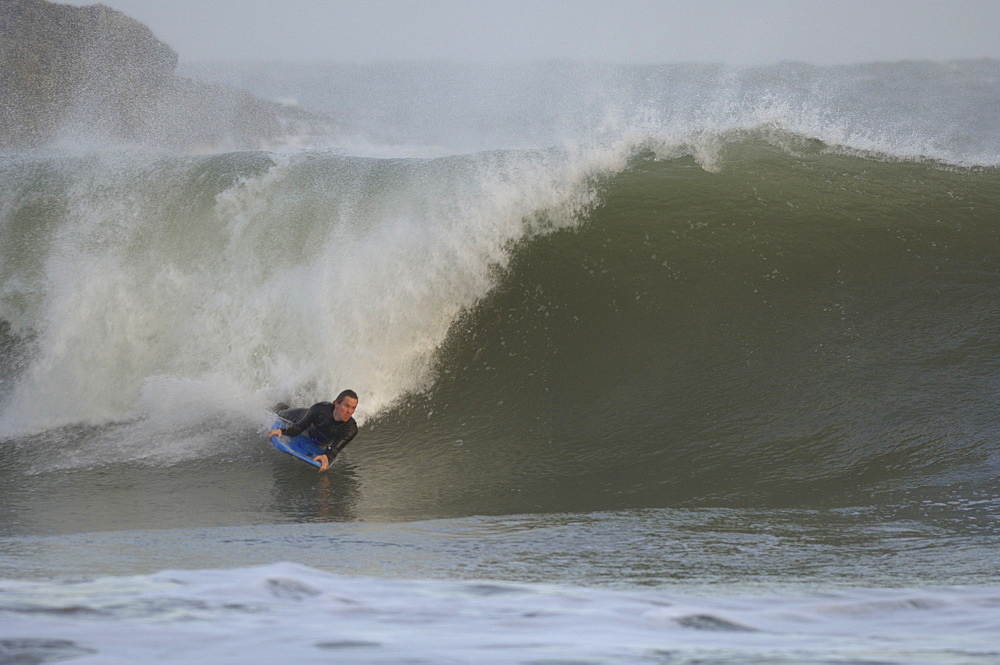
{"x":302,"y":424}
{"x":292,"y":430}
{"x":330,"y":453}
{"x":339,"y":443}
{"x":324,"y":462}
{"x":326,"y":458}
{"x":333,"y":449}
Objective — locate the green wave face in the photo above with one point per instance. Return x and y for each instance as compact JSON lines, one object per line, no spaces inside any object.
{"x":791,"y":328}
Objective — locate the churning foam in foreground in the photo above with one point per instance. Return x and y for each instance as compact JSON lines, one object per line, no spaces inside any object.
{"x":286,"y":611}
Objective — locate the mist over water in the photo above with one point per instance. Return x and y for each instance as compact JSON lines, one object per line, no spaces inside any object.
{"x":891,"y":109}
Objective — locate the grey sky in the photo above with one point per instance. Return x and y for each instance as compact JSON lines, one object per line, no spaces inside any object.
{"x":730,"y":31}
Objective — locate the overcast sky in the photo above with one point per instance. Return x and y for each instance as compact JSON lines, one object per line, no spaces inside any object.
{"x":730,"y":31}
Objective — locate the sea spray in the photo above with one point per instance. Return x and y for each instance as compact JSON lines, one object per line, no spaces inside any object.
{"x":285,"y":277}
{"x":421,"y":109}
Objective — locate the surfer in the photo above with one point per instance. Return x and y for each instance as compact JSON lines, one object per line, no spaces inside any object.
{"x":331,"y":424}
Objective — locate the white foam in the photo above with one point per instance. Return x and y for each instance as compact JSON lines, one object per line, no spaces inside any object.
{"x":289,"y":612}
{"x":294,"y":281}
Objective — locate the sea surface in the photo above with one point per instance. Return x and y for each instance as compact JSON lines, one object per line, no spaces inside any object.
{"x":657,"y":364}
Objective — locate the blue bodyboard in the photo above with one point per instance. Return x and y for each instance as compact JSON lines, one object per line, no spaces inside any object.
{"x":300,"y":447}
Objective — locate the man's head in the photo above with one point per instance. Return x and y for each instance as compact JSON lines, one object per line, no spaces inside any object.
{"x":344,"y":405}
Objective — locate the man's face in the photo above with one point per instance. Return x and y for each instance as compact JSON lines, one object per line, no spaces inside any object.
{"x":344,"y":409}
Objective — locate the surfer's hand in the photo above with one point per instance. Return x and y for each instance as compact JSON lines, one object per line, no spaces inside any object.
{"x":274,"y":432}
{"x":324,"y":462}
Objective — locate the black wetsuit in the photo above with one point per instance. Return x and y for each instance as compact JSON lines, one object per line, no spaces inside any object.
{"x":317,"y":422}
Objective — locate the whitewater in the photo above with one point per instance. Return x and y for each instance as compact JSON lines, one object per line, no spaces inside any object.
{"x":664,"y":364}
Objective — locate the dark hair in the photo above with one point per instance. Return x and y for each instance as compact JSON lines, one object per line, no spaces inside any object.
{"x":346,"y":393}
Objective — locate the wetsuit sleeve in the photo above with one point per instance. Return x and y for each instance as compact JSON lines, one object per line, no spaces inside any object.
{"x":341,"y":441}
{"x":302,"y":424}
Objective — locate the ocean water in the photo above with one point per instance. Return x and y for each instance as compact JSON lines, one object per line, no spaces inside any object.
{"x":660,"y":364}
